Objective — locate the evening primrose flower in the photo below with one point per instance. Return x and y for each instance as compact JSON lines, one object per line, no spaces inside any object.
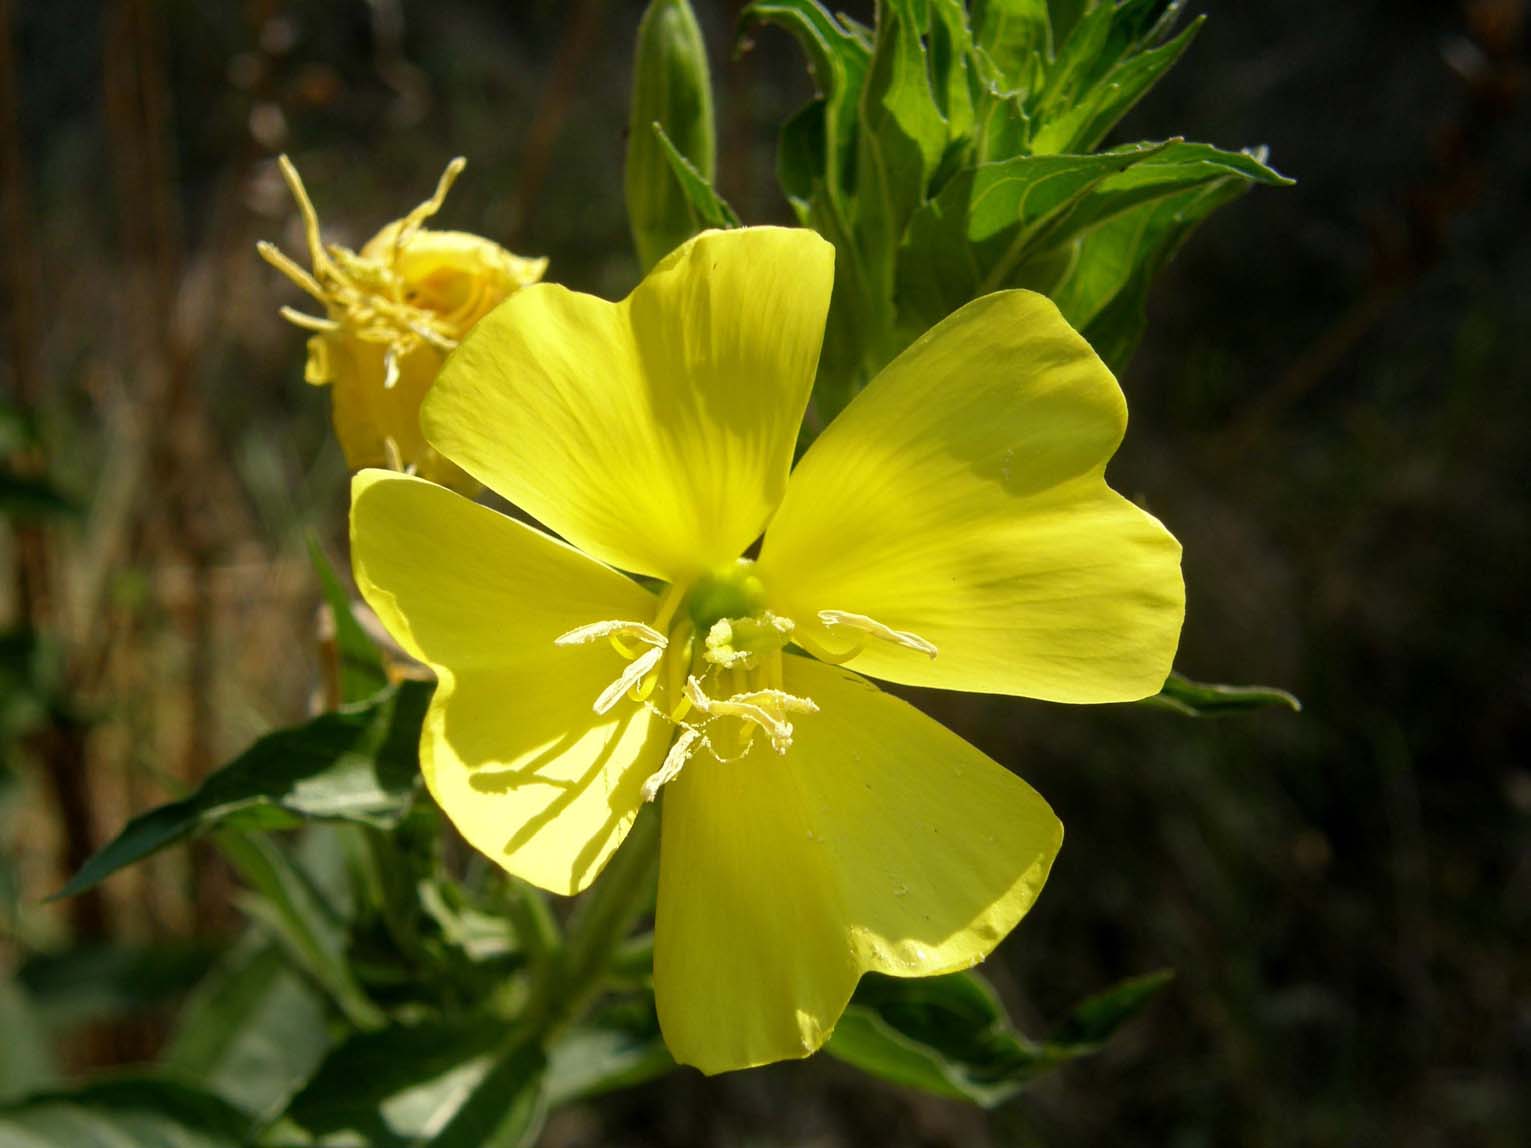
{"x":392,"y":314}
{"x":951,"y":528}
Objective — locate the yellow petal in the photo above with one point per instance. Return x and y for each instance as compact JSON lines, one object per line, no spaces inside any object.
{"x":880,"y":842}
{"x":458,"y":276}
{"x":511,"y":751}
{"x":655,"y":433}
{"x":379,"y":426}
{"x":961,"y":498}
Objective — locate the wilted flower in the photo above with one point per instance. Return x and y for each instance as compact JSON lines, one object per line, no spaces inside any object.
{"x":392,"y":313}
{"x":952,"y":528}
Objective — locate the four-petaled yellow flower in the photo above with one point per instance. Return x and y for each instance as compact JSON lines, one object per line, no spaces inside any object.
{"x":951,"y":528}
{"x":392,"y":314}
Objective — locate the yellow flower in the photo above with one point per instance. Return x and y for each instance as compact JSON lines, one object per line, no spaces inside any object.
{"x":951,"y":528}
{"x":392,"y":313}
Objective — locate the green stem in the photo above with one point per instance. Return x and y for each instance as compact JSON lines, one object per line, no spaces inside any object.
{"x":599,"y":926}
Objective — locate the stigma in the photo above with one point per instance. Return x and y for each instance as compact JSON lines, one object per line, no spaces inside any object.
{"x":710,"y":664}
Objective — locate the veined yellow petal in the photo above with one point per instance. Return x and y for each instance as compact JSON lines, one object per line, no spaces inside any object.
{"x":880,"y":842}
{"x":511,"y":751}
{"x":655,"y":433}
{"x":962,"y":498}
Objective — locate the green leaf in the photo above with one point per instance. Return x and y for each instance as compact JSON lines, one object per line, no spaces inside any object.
{"x":1166,"y":171}
{"x":26,"y":1056}
{"x":361,"y":670}
{"x":1084,"y":125}
{"x":949,"y":1035}
{"x":618,"y":1047}
{"x":449,"y":1083}
{"x":1203,"y":699}
{"x":976,"y":235}
{"x":1096,"y":1019}
{"x":29,"y":499}
{"x":838,"y":58}
{"x":1015,"y":36}
{"x":710,"y":208}
{"x":126,"y":1113}
{"x":902,"y":139}
{"x":671,"y":88}
{"x":303,"y":918}
{"x":1105,"y":294}
{"x":359,"y":763}
{"x":94,"y":982}
{"x":253,"y":1032}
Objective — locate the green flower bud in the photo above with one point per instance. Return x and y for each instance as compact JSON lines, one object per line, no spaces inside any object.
{"x":671,"y":87}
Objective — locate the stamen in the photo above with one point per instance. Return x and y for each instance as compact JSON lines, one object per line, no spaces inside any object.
{"x":631,"y":676}
{"x":394,"y":455}
{"x":833,"y":618}
{"x":674,"y":762}
{"x":596,"y":631}
{"x":751,"y":706}
{"x":306,"y":210}
{"x":413,"y":221}
{"x":390,"y":368}
{"x":308,"y":322}
{"x":275,"y":256}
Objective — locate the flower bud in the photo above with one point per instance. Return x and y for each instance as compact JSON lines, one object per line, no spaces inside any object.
{"x":671,"y":87}
{"x":392,"y":313}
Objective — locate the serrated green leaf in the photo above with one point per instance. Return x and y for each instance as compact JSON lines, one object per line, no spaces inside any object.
{"x":949,"y":1035}
{"x":124,"y":1113}
{"x":253,"y":1032}
{"x":1204,"y":699}
{"x":710,"y":207}
{"x":448,"y":1083}
{"x":361,"y":665}
{"x":975,"y":236}
{"x":359,"y":763}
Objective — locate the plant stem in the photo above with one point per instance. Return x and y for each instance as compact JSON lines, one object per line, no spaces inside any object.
{"x":624,"y":893}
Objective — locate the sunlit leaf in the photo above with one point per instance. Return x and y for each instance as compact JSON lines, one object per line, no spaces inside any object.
{"x":710,"y":207}
{"x":460,"y":1083}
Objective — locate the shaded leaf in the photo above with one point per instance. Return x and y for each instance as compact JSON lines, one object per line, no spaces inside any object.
{"x":303,"y":918}
{"x":439,"y":1082}
{"x":128,"y":1113}
{"x":93,"y":982}
{"x":950,"y":1036}
{"x":618,"y":1047}
{"x":1204,"y":699}
{"x":26,"y":1058}
{"x":254,"y":1030}
{"x":359,"y":763}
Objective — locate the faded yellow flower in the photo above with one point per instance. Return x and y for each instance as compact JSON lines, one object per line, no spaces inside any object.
{"x":393,"y":311}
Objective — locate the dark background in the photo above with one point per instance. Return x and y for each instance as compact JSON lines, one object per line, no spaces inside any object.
{"x":1328,"y":409}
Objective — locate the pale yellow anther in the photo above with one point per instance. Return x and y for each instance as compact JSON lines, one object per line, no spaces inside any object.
{"x":755,"y":707}
{"x":875,"y":629}
{"x":674,"y":762}
{"x":629,"y":678}
{"x":614,"y":628}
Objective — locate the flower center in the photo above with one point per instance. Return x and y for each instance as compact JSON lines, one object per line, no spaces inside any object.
{"x":710,"y":664}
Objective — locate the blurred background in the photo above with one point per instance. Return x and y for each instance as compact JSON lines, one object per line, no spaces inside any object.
{"x":1327,"y":410}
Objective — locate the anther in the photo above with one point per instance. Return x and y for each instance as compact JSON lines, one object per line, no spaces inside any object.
{"x":871,"y":626}
{"x":674,"y":762}
{"x":631,"y":676}
{"x":598,"y":631}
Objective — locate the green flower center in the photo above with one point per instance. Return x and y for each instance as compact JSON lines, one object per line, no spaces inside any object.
{"x":729,"y":592}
